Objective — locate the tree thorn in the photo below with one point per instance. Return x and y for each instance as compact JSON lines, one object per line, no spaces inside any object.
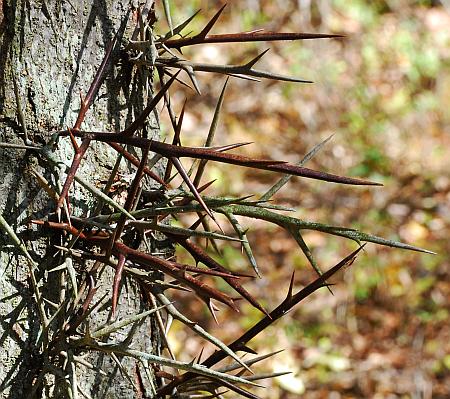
{"x":291,"y":287}
{"x":212,"y":308}
{"x":74,"y":142}
{"x":252,"y":62}
{"x":116,"y":283}
{"x":211,"y":23}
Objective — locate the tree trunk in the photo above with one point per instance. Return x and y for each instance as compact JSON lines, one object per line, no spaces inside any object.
{"x":49,"y":53}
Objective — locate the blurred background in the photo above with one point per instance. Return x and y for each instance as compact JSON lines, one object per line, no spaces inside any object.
{"x":383,"y":92}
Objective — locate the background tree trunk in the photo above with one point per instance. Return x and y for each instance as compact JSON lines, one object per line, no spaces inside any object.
{"x":51,"y":49}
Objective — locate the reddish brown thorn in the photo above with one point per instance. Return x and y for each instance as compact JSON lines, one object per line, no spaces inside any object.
{"x":211,"y":23}
{"x":95,"y":84}
{"x":139,"y":382}
{"x":165,"y":375}
{"x":131,"y":198}
{"x":146,"y":261}
{"x":197,"y":222}
{"x":116,"y":283}
{"x":82,"y":102}
{"x":205,"y":186}
{"x":85,"y":104}
{"x":255,"y":36}
{"x":247,"y":349}
{"x":277,"y":313}
{"x":131,"y":158}
{"x":67,"y":210}
{"x":90,"y":295}
{"x":72,"y":171}
{"x":100,"y":236}
{"x":276,"y":166}
{"x":76,"y":148}
{"x":201,"y":256}
{"x":287,"y":305}
{"x":60,"y":226}
{"x":168,"y":150}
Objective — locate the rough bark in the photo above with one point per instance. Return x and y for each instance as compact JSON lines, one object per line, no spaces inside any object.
{"x":51,"y":49}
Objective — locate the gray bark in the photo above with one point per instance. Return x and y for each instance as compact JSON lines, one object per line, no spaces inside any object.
{"x":51,"y":49}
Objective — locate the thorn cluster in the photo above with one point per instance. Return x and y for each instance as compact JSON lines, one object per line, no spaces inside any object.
{"x":102,"y":236}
